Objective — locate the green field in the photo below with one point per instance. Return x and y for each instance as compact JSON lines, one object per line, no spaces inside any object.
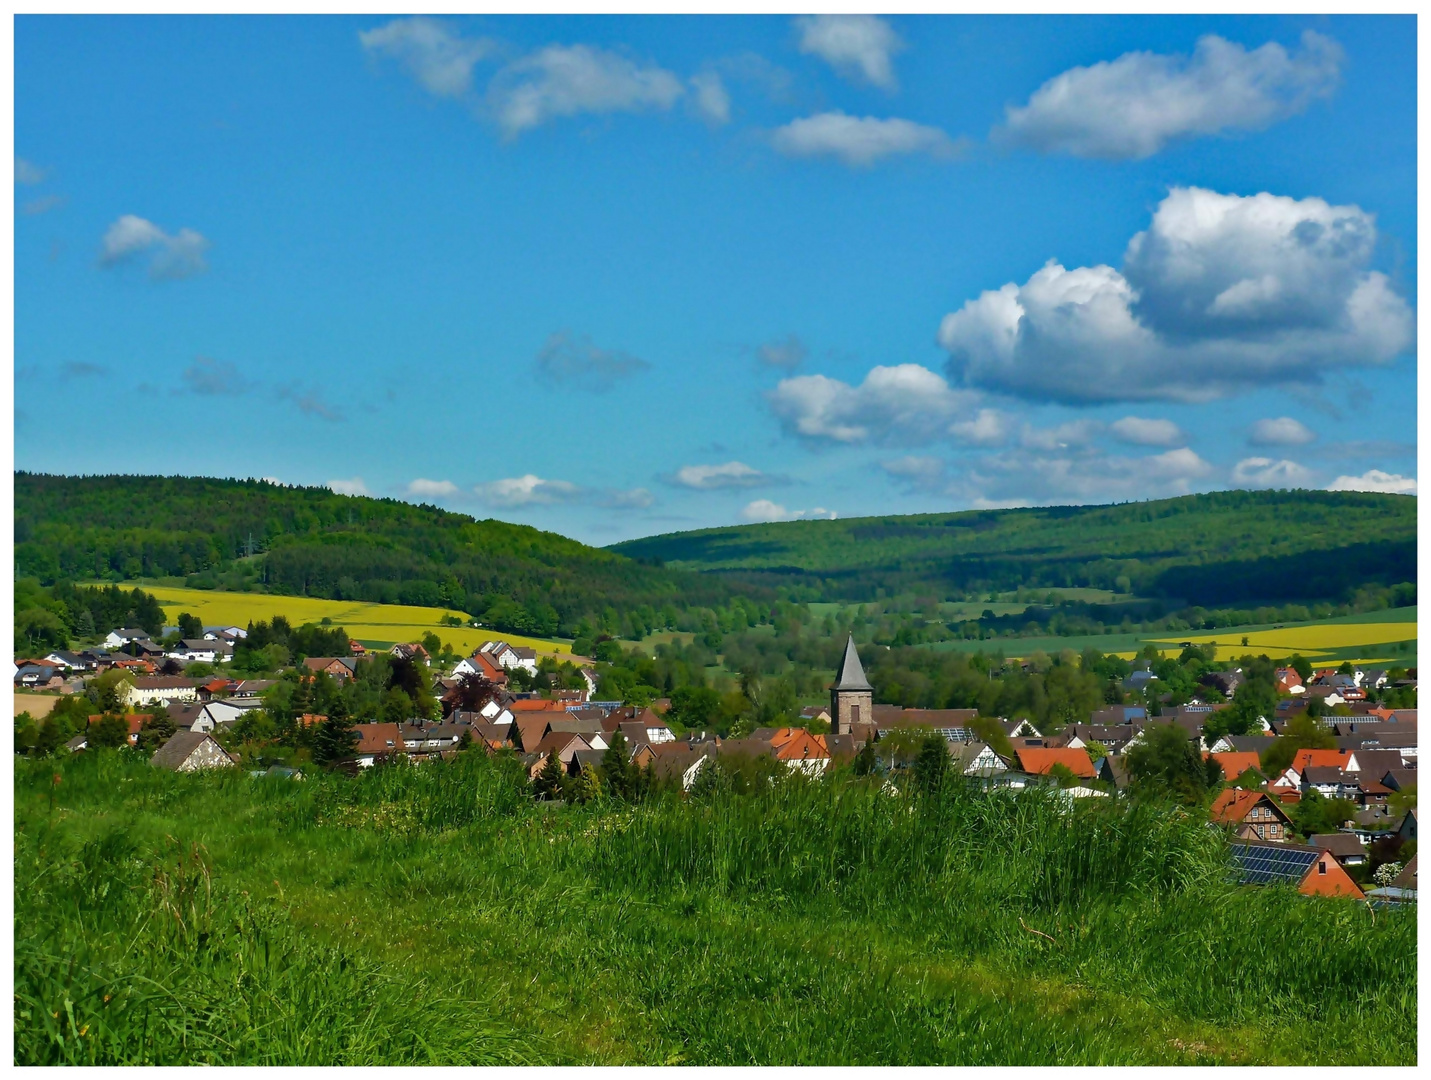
{"x":433,"y":915}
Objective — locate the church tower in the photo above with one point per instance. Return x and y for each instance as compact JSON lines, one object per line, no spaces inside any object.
{"x":852,"y":696}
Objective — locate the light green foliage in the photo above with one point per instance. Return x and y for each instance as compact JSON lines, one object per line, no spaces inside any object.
{"x":171,"y":919}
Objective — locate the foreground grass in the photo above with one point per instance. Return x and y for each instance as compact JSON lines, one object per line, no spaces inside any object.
{"x":432,"y":915}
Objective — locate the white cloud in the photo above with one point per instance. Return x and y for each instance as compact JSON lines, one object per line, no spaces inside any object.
{"x":1281,"y":431}
{"x":567,"y":80}
{"x":712,"y":99}
{"x":1140,"y":431}
{"x":1376,"y":480}
{"x":1072,"y":435}
{"x":432,"y":489}
{"x":901,"y":404}
{"x":859,"y":141}
{"x":175,"y":256}
{"x":765,"y":510}
{"x":528,"y":490}
{"x":710,"y":477}
{"x":1024,"y":477}
{"x":1221,"y":293}
{"x":988,"y":428}
{"x":1135,"y":105}
{"x":439,"y":59}
{"x":355,"y":486}
{"x":1264,"y":472}
{"x":566,"y":358}
{"x":28,"y":173}
{"x":857,"y":46}
{"x":43,"y":205}
{"x":787,"y":353}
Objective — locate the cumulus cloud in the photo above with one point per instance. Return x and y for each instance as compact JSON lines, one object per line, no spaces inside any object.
{"x":432,"y":489}
{"x":528,"y":490}
{"x":765,"y":510}
{"x":1281,"y":431}
{"x":711,"y":99}
{"x":438,"y":58}
{"x":1025,"y":477}
{"x":786,"y":353}
{"x":27,"y":172}
{"x":179,"y":255}
{"x":989,"y":427}
{"x":905,"y":403}
{"x":355,"y":486}
{"x":1135,"y":105}
{"x":1264,"y":472}
{"x":211,"y":377}
{"x":859,"y":47}
{"x":1221,"y":293}
{"x":568,"y":80}
{"x":1071,"y":435}
{"x":859,"y":141}
{"x":1140,"y":431}
{"x":566,"y":358}
{"x":1376,"y":480}
{"x":733,"y":474}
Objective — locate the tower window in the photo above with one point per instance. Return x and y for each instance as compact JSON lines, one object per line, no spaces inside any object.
{"x":855,"y":712}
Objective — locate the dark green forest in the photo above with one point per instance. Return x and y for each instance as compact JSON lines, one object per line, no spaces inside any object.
{"x":308,"y":541}
{"x":1229,"y":547}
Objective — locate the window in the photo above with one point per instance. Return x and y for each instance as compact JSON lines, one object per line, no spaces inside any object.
{"x":855,"y":713}
{"x":1322,"y":866}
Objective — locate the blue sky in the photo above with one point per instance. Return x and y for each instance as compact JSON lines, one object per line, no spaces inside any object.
{"x":616,"y":277}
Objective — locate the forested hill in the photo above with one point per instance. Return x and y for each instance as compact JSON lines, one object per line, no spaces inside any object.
{"x":1220,"y":548}
{"x":310,"y":541}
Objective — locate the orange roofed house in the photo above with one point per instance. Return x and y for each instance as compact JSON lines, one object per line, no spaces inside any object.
{"x":1038,"y":760}
{"x":1314,"y":872}
{"x":1253,"y":815}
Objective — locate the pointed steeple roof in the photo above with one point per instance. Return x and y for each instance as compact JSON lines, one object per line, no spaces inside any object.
{"x":852,"y":673}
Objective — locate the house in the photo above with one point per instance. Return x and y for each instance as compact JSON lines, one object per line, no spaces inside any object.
{"x":1225,"y":682}
{"x":1250,"y":814}
{"x":1311,"y":870}
{"x":1038,"y":761}
{"x":509,"y":656}
{"x":1234,"y":763}
{"x":815,"y":714}
{"x":162,"y":688}
{"x":219,"y":711}
{"x":202,"y":650}
{"x":564,"y":744}
{"x":1304,"y":759}
{"x":356,"y":647}
{"x":68,"y":660}
{"x":800,"y":751}
{"x":1288,"y":682}
{"x":377,"y":742}
{"x":1138,"y":681}
{"x":341,"y":668}
{"x":1111,"y":738}
{"x":1114,"y":770}
{"x":1328,"y":781}
{"x":588,"y":675}
{"x":38,"y":675}
{"x":409,"y":651}
{"x":118,"y":639}
{"x":1343,"y":846}
{"x":976,"y":759}
{"x":252,"y":688}
{"x":679,"y":760}
{"x":191,"y":751}
{"x":480,"y":665}
{"x":231,"y":634}
{"x":1118,"y":715}
{"x":1407,"y":829}
{"x":136,"y":721}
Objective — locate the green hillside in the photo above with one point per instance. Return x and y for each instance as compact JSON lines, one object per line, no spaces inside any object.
{"x":308,"y":541}
{"x":1219,"y":548}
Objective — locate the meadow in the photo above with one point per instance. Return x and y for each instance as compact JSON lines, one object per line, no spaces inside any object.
{"x":375,"y":625}
{"x":434,"y":915}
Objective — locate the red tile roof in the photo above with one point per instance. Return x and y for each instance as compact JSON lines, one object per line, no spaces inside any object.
{"x":1038,"y":760}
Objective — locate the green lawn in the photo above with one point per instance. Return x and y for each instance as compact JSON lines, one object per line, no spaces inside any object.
{"x":431,"y":916}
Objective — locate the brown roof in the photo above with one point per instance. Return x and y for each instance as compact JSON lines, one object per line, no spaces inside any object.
{"x":180,"y":745}
{"x":562,"y":742}
{"x":1339,"y":844}
{"x":531,"y":728}
{"x":1232,"y":805}
{"x":379,"y":739}
{"x":1324,"y":774}
{"x":166,"y":682}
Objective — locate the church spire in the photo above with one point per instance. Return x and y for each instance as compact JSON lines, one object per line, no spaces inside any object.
{"x":852,"y":673}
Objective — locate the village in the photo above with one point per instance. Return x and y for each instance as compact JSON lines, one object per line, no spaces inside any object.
{"x":1365,"y":767}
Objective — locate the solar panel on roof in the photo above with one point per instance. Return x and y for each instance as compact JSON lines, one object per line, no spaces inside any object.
{"x":1272,"y":865}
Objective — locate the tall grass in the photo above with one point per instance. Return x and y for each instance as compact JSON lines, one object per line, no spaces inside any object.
{"x":433,"y":914}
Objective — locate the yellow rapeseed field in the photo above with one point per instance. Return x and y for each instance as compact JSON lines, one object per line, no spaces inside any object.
{"x":1310,"y":640}
{"x":376,"y":623}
